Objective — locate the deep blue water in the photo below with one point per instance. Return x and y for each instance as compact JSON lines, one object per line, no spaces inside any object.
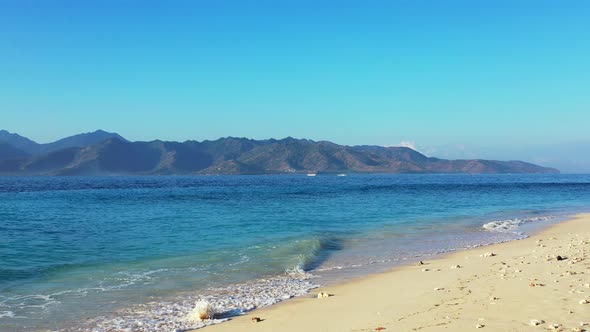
{"x":73,"y":247}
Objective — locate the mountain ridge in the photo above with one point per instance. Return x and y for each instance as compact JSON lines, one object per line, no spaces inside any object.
{"x":33,"y":148}
{"x":88,"y":154}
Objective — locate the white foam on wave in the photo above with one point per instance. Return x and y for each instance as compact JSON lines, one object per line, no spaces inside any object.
{"x":30,"y":301}
{"x":510,"y":225}
{"x":297,"y":272}
{"x":9,"y":314}
{"x":29,"y":306}
{"x":243,"y":259}
{"x":137,"y":276}
{"x":45,"y":301}
{"x":227,"y":301}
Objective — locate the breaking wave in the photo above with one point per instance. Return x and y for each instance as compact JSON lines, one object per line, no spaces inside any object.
{"x":510,"y":225}
{"x":228,"y":301}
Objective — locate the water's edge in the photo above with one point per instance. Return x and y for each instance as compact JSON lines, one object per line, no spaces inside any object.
{"x":236,"y":300}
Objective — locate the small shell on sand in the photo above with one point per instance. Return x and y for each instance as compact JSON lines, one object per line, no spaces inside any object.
{"x":455,"y":266}
{"x":425,"y":270}
{"x":322,"y":295}
{"x":533,"y":284}
{"x":535,"y":322}
{"x":438,"y":288}
{"x":479,"y":326}
{"x":584,"y":301}
{"x":488,"y":254}
{"x":554,"y":326}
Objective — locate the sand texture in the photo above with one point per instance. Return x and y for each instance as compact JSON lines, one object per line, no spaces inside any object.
{"x":514,"y":286}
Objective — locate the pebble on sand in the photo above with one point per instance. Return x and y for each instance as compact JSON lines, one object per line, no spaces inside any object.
{"x":455,"y":266}
{"x":535,"y":322}
{"x":322,"y":295}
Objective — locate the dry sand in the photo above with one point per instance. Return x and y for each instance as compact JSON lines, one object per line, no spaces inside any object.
{"x":522,"y":282}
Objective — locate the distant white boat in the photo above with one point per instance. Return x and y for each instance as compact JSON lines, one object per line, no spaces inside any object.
{"x":311,"y":174}
{"x":341,"y":174}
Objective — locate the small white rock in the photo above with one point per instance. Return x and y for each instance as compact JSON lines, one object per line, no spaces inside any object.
{"x":455,"y":266}
{"x":535,"y":322}
{"x":584,"y":301}
{"x":479,"y":326}
{"x":322,"y":295}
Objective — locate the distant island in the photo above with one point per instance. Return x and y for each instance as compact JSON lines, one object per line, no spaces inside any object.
{"x":104,"y":153}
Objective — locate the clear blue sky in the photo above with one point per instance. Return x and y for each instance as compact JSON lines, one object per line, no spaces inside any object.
{"x":439,"y":74}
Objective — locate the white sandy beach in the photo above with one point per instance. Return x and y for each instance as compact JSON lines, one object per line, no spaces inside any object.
{"x":521,"y":285}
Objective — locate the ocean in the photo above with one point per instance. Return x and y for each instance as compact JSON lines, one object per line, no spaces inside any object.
{"x":136,"y":253}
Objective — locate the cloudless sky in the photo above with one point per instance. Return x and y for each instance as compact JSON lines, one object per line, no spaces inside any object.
{"x":481,"y":73}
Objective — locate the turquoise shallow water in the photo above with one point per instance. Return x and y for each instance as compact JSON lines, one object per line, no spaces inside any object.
{"x":73,"y":248}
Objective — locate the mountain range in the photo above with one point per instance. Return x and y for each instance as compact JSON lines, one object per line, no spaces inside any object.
{"x":104,"y":153}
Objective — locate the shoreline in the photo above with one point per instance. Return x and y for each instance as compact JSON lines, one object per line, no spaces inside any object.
{"x":236,"y":300}
{"x":522,"y":282}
